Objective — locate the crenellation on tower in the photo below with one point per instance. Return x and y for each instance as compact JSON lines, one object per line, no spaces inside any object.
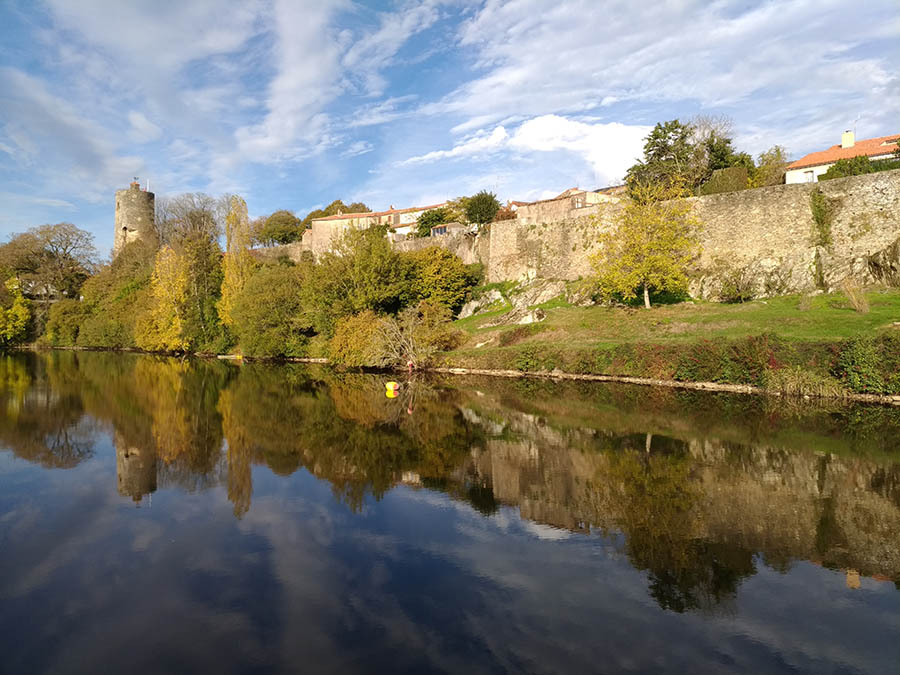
{"x":135,"y":209}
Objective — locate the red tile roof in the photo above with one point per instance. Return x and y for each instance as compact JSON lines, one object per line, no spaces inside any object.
{"x":389,"y":212}
{"x":871,"y":147}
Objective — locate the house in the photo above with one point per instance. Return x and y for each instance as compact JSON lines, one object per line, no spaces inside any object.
{"x":400,"y":222}
{"x":448,"y":228}
{"x":567,"y":204}
{"x":808,"y":169}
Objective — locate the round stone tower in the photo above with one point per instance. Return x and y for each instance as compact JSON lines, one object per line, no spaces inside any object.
{"x":134,"y":215}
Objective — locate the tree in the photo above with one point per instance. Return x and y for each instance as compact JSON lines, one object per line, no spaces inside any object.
{"x":268,"y":313}
{"x":669,"y":157}
{"x":416,"y":334}
{"x":282,"y":227}
{"x":192,"y":214}
{"x":770,"y":168}
{"x":431,"y":218}
{"x":237,"y":263}
{"x":161,"y":328}
{"x":655,"y":240}
{"x":361,"y":271}
{"x":14,"y":317}
{"x":482,"y":207}
{"x":51,"y":261}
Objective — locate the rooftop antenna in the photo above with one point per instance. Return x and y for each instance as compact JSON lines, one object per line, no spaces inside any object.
{"x":854,"y":124}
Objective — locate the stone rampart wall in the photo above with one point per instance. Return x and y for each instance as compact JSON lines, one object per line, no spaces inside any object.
{"x":770,"y":230}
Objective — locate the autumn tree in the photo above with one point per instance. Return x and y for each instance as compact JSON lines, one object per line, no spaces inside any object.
{"x":441,"y":277}
{"x":162,"y":327}
{"x":237,"y":263}
{"x":652,"y":245}
{"x":189,"y":215}
{"x":14,"y":315}
{"x":268,"y":313}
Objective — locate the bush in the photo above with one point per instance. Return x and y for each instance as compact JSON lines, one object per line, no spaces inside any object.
{"x":417,"y":334}
{"x":64,"y":322}
{"x":731,"y":179}
{"x":800,"y":381}
{"x":441,"y":277}
{"x":822,"y":215}
{"x":268,"y":314}
{"x":869,"y":365}
{"x":357,"y":341}
{"x":738,"y":282}
{"x":856,"y":296}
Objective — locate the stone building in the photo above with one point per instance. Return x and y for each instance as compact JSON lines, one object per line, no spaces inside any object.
{"x":135,"y":216}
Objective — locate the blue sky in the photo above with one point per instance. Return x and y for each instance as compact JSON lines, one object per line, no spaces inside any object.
{"x":295,"y":103}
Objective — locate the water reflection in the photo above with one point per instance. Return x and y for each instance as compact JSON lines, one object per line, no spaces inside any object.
{"x":697,"y":491}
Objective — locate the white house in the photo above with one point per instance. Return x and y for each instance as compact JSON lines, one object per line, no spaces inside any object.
{"x":808,"y":169}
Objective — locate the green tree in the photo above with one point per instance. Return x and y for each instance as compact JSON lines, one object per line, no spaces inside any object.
{"x":361,"y":271}
{"x":51,"y":261}
{"x":431,"y":218}
{"x":441,"y":277}
{"x":64,"y":322}
{"x":669,"y":153}
{"x":237,"y":263}
{"x":358,"y":341}
{"x":268,"y":313}
{"x":651,"y":247}
{"x":482,"y":207}
{"x":282,"y":227}
{"x":335,"y":207}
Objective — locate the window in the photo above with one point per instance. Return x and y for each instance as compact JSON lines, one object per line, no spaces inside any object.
{"x":441,"y":229}
{"x":396,"y":219}
{"x":578,"y":201}
{"x":809,"y":176}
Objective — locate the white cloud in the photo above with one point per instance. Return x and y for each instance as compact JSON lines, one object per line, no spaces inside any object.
{"x":142,"y":129}
{"x":609,"y":148}
{"x":357,"y":148}
{"x":479,"y":144}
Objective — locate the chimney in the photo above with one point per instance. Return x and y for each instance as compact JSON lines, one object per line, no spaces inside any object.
{"x":848,"y":139}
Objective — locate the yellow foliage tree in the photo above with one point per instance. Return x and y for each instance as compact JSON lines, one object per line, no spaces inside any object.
{"x":14,"y":320}
{"x":161,"y":328}
{"x":237,"y":264}
{"x":652,"y":245}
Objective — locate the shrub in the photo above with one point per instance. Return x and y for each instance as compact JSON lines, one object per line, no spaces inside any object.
{"x":358,"y":341}
{"x":441,"y":277}
{"x":860,"y":366}
{"x":730,"y":179}
{"x":800,"y":381}
{"x":417,"y":334}
{"x":505,"y":213}
{"x":822,"y":215}
{"x":738,"y":282}
{"x":855,"y":296}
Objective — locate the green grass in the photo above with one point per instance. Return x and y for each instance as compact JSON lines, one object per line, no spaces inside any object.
{"x":829,"y":317}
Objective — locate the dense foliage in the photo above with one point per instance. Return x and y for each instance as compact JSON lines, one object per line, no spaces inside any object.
{"x":482,"y":207}
{"x":857,"y":166}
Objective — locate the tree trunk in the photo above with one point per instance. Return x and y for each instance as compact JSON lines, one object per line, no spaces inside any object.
{"x":646,"y":297}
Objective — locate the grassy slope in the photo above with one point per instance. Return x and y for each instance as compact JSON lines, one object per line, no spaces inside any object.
{"x":568,"y":333}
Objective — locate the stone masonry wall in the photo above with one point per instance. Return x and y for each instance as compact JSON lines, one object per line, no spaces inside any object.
{"x":768,"y":230}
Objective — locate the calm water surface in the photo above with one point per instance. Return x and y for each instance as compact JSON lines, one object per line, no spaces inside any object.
{"x":159,"y":515}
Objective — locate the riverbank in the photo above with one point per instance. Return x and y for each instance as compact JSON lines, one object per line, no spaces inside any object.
{"x":818,"y":346}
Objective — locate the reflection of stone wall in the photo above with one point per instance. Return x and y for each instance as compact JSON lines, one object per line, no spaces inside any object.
{"x":135,"y":469}
{"x":787,"y":505}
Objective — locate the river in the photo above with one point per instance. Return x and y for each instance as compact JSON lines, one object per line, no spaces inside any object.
{"x":166,"y":515}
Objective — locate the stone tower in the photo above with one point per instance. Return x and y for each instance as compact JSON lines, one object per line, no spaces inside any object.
{"x":134,"y":215}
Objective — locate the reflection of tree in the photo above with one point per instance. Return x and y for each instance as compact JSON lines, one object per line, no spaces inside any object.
{"x":658,"y":504}
{"x":240,"y":478}
{"x":39,"y":422}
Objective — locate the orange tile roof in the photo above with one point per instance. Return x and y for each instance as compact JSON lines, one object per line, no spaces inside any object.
{"x":871,"y":147}
{"x":389,"y":212}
